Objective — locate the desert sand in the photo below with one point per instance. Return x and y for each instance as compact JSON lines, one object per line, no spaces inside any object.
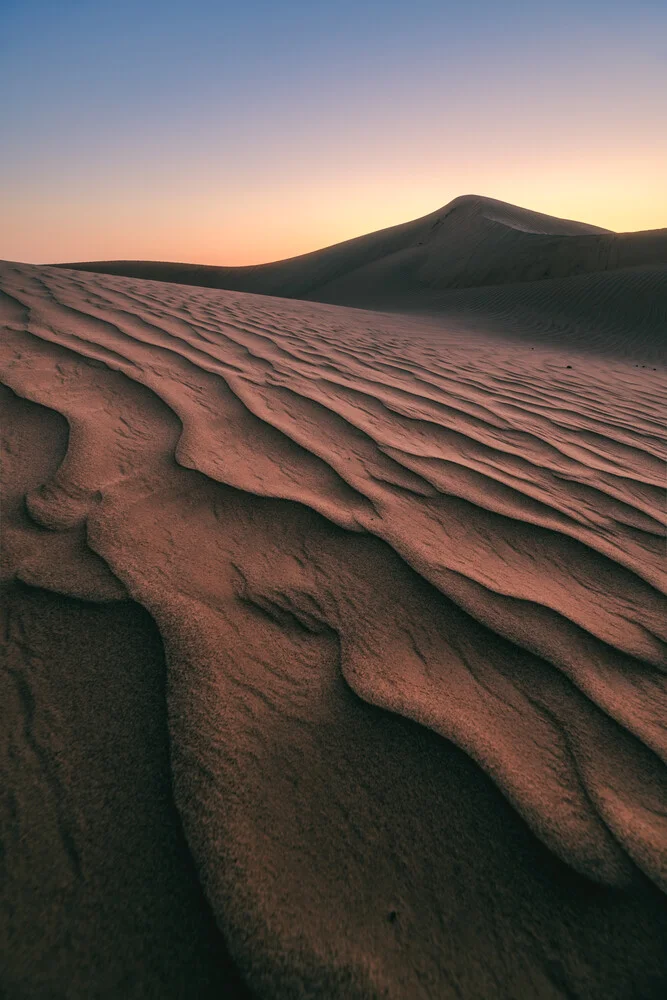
{"x":335,"y":619}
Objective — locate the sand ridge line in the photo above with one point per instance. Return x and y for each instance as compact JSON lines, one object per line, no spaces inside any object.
{"x":291,"y":555}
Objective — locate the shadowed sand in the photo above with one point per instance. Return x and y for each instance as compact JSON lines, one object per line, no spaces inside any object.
{"x":476,"y":262}
{"x":408,"y":573}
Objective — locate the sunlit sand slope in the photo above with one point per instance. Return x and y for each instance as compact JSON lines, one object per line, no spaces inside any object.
{"x":410,"y":585}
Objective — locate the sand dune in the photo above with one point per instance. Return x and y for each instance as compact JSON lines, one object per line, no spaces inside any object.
{"x":409,"y":577}
{"x":470,"y":243}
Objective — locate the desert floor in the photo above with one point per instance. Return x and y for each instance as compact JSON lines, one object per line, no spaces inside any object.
{"x":335,"y":642}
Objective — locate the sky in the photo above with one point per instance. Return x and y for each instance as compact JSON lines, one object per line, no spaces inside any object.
{"x":238,"y":133}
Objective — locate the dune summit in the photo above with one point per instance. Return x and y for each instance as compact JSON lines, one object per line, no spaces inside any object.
{"x":336,"y":637}
{"x":476,"y":254}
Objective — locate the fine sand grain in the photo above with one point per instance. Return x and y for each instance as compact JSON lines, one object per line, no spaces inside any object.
{"x":336,"y":638}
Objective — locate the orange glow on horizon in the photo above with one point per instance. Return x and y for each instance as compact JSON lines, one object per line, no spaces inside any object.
{"x":194,"y":219}
{"x":238,"y":135}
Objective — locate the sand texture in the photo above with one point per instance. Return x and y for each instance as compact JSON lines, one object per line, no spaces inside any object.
{"x":336,"y":638}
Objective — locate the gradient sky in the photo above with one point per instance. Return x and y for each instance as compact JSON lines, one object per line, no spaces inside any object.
{"x":236,"y":133}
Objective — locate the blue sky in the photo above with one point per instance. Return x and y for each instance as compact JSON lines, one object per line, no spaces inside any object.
{"x":229,"y":133}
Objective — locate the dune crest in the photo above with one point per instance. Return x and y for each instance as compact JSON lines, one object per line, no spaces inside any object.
{"x":333,"y":515}
{"x":466,"y":256}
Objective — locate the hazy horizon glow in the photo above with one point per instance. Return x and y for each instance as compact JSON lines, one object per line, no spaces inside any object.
{"x":236,"y":135}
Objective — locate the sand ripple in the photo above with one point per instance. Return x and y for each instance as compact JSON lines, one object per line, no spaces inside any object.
{"x":316,"y":503}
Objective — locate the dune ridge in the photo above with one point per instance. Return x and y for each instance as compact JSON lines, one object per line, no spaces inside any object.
{"x":471,"y":243}
{"x":315,"y":503}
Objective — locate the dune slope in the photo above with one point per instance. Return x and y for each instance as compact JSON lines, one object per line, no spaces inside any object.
{"x":410,"y":583}
{"x":470,"y":243}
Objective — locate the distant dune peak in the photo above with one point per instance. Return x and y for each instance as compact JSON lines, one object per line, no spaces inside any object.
{"x":523,"y":219}
{"x":493,"y":250}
